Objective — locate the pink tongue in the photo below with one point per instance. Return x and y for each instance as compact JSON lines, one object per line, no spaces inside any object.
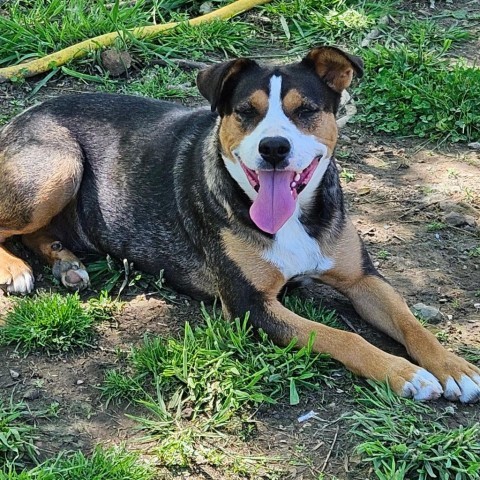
{"x":274,"y":204}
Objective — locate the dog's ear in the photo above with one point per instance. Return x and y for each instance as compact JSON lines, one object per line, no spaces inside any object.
{"x":334,"y":66}
{"x":217,"y":81}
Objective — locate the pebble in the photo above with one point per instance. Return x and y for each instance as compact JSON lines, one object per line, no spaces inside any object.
{"x":474,"y":145}
{"x":14,"y":374}
{"x":80,"y":382}
{"x":458,"y":219}
{"x":116,"y":63}
{"x":428,"y":313}
{"x":31,"y":394}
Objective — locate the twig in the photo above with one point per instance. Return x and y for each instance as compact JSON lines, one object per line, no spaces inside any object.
{"x":330,"y":450}
{"x":348,"y":323}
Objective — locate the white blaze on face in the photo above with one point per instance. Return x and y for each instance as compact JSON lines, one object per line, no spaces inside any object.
{"x":276,"y":200}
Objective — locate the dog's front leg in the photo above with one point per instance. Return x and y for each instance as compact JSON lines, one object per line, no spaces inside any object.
{"x":378,"y":303}
{"x":248,"y":283}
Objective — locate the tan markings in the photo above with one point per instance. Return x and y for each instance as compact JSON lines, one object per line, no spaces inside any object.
{"x":346,"y":253}
{"x":230,"y":135}
{"x":232,"y":131}
{"x":352,"y":350}
{"x":292,"y":101}
{"x":378,"y":303}
{"x":261,"y":274}
{"x":42,"y":170}
{"x":333,"y":67}
{"x":47,"y":248}
{"x":322,"y":125}
{"x":259,"y":101}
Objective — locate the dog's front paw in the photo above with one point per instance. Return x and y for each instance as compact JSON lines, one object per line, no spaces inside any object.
{"x":72,"y":274}
{"x":16,"y":277}
{"x":460,"y":379}
{"x":422,"y":386}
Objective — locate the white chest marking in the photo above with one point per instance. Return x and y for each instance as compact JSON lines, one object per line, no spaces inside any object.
{"x":294,"y":252}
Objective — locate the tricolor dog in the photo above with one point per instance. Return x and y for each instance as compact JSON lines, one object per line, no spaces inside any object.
{"x":231,"y":201}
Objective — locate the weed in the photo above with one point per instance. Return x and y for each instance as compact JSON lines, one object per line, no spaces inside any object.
{"x":103,"y":464}
{"x":416,"y":92}
{"x":400,"y":439}
{"x":48,"y":321}
{"x":383,"y":255}
{"x":311,"y":309}
{"x":474,"y":252}
{"x":472,"y":354}
{"x":436,"y":226}
{"x":16,"y":437}
{"x":452,"y":173}
{"x":348,"y":175}
{"x":161,"y":82}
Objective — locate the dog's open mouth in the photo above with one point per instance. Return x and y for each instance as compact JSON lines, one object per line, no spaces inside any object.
{"x":277,"y":194}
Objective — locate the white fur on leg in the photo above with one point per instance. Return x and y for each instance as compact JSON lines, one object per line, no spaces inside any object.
{"x":423,"y":386}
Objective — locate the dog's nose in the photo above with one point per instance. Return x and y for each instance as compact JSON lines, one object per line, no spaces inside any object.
{"x":274,"y":149}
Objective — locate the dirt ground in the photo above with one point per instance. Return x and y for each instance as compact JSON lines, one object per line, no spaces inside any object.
{"x":401,"y":188}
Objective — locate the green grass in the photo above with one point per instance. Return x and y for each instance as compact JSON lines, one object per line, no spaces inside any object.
{"x":102,"y":464}
{"x":49,"y":322}
{"x":54,"y":323}
{"x":203,"y":385}
{"x":403,"y":439}
{"x":16,"y":436}
{"x":414,"y":91}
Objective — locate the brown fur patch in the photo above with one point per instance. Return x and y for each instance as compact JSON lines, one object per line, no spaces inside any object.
{"x":346,"y":252}
{"x":333,"y":67}
{"x":233,"y":131}
{"x":322,"y":125}
{"x":260,"y":273}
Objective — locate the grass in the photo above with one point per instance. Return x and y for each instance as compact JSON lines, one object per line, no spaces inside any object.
{"x":102,"y":464}
{"x":404,"y":439}
{"x":16,"y":436}
{"x":205,"y":383}
{"x":54,"y":323}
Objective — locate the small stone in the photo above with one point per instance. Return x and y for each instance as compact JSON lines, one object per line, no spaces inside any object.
{"x":361,"y":140}
{"x":429,"y":314}
{"x":376,"y":264}
{"x":471,"y":222}
{"x":474,"y":145}
{"x":80,"y":382}
{"x":115,"y":62}
{"x":456,"y":219}
{"x":206,"y":7}
{"x":14,"y":374}
{"x":31,"y":394}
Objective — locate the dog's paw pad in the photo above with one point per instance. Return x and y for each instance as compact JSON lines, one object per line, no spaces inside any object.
{"x":72,"y":274}
{"x":423,"y":386}
{"x":467,"y":389}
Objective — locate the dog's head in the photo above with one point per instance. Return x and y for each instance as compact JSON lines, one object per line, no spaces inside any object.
{"x":278,"y":129}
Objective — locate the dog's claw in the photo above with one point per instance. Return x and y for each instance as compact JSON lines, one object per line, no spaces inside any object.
{"x":466,"y":389}
{"x":73,"y":275}
{"x":423,"y":386}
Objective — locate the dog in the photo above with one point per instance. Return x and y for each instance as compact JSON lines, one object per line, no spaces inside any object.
{"x":231,"y":201}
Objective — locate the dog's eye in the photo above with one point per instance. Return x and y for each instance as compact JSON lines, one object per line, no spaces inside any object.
{"x":306,"y":111}
{"x":246,"y":111}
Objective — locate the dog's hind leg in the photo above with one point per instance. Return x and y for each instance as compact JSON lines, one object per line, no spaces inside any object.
{"x":66,"y":267}
{"x":41,"y":167}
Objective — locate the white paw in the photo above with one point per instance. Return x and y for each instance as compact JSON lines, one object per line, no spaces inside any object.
{"x":423,"y":386}
{"x":21,"y":283}
{"x":467,"y":389}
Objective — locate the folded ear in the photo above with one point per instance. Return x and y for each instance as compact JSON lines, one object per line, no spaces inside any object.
{"x":216,"y":82}
{"x":334,"y":66}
